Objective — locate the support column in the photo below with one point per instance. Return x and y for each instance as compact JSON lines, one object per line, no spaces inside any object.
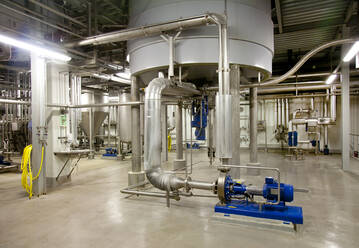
{"x":211,"y":134}
{"x":345,"y":106}
{"x":164,"y":153}
{"x":179,"y":162}
{"x":135,"y":176}
{"x":236,"y":110}
{"x":326,"y":102}
{"x":91,"y":122}
{"x":38,"y":105}
{"x":253,"y":156}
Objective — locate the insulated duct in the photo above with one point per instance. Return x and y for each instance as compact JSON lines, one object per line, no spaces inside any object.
{"x":152,"y":146}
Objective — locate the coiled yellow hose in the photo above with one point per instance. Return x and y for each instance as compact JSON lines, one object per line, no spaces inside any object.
{"x":26,"y":176}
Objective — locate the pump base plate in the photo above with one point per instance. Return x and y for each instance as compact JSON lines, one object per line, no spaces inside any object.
{"x":292,"y":214}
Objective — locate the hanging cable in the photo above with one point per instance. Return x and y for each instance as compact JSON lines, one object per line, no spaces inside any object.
{"x":26,"y":176}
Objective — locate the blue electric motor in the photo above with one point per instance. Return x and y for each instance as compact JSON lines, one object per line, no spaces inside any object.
{"x":269,"y":190}
{"x":237,"y":198}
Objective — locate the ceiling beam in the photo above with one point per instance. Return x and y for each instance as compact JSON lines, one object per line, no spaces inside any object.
{"x":334,"y":22}
{"x":44,"y":6}
{"x":349,"y":12}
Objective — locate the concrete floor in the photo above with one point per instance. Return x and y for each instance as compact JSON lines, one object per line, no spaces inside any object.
{"x":91,"y":212}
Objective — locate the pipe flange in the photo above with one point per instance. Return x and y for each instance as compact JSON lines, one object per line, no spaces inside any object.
{"x":186,"y":184}
{"x":221,"y":182}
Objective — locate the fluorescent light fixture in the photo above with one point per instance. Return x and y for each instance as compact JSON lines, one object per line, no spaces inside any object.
{"x":331,"y":79}
{"x":352,"y":52}
{"x":46,"y":53}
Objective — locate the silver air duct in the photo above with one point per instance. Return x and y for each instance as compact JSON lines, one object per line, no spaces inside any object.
{"x":152,"y":159}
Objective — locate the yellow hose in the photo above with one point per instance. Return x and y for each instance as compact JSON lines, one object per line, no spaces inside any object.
{"x":169,"y":143}
{"x":26,"y":176}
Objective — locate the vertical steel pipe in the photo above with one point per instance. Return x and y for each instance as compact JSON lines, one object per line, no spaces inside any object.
{"x":164,"y":133}
{"x":286,"y":112}
{"x":179,"y":132}
{"x":235,"y":111}
{"x":333,"y":104}
{"x":109,"y":127}
{"x":326,"y":101}
{"x":283,"y":112}
{"x":91,"y":120}
{"x":136,"y":136}
{"x":345,"y":106}
{"x":210,"y":135}
{"x":279,"y":107}
{"x":253,"y":125}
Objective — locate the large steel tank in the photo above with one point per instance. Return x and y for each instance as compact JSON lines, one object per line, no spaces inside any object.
{"x":99,"y":113}
{"x":250,"y":42}
{"x":124,"y":117}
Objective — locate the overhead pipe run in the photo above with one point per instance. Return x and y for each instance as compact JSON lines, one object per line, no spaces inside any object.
{"x":224,"y":99}
{"x":304,"y":59}
{"x":7,"y":101}
{"x":94,"y":105}
{"x":150,"y":30}
{"x":292,"y":88}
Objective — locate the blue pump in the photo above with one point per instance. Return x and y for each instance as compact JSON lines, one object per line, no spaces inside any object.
{"x":238,"y":199}
{"x":200,"y":113}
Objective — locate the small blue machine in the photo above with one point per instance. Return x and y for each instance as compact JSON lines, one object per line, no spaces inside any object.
{"x":3,"y":162}
{"x":292,"y":138}
{"x":238,"y":199}
{"x":110,"y":153}
{"x":194,"y":146}
{"x":200,"y":113}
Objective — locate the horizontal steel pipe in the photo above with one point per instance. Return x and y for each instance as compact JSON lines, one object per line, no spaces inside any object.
{"x":304,"y":59}
{"x":144,"y":193}
{"x":293,"y":88}
{"x":7,"y":101}
{"x":150,"y":30}
{"x":200,"y":185}
{"x":93,"y":105}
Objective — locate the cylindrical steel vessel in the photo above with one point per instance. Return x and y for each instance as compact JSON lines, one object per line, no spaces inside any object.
{"x":250,"y":38}
{"x":124,"y":113}
{"x":99,"y":113}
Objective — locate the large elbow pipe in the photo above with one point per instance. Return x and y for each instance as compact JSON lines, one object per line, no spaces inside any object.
{"x":152,"y":147}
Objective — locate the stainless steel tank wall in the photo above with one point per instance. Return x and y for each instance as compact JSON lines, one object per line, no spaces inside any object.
{"x":99,"y":113}
{"x":125,"y":117}
{"x":249,"y":25}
